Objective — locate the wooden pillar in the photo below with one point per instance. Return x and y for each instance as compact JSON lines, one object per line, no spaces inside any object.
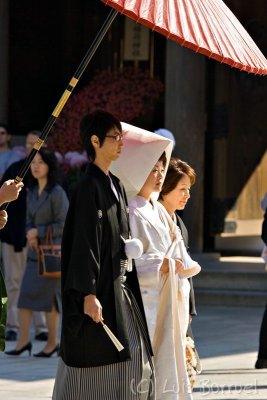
{"x":185,"y":117}
{"x":4,"y":24}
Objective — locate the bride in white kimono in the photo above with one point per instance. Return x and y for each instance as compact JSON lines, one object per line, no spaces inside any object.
{"x":163,"y":270}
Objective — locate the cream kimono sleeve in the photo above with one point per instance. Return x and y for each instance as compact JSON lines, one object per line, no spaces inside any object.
{"x":191,"y":267}
{"x":148,"y":265}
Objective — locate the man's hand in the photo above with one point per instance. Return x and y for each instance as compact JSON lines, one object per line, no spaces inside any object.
{"x":93,"y":308}
{"x":9,"y":191}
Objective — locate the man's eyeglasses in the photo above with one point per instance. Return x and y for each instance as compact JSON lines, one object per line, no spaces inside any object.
{"x":118,"y":137}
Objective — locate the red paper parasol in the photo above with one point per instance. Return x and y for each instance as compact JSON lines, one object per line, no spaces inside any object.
{"x":205,"y":26}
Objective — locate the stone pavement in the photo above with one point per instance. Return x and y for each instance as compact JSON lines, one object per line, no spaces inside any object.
{"x":227,"y":341}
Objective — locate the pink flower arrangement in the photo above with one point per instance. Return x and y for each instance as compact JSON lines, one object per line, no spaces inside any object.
{"x":128,"y":94}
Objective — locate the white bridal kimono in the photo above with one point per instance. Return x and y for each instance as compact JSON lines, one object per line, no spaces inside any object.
{"x":165,"y":296}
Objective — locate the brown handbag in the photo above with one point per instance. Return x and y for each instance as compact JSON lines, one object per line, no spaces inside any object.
{"x":49,"y":257}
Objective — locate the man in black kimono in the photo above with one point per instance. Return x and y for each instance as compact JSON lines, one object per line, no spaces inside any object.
{"x":97,"y":284}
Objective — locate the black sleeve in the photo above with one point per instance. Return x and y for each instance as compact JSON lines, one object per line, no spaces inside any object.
{"x":81,"y":243}
{"x":192,"y":303}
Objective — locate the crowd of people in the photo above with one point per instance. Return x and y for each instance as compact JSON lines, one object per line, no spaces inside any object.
{"x":125,"y":316}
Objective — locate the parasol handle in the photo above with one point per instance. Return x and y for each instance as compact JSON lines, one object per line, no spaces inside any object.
{"x":64,"y":98}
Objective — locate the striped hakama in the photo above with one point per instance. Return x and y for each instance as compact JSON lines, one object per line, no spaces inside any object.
{"x":128,"y":380}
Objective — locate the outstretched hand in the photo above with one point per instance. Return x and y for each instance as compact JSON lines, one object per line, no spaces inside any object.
{"x":9,"y":191}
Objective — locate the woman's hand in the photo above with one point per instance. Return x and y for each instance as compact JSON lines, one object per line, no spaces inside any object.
{"x":3,"y":218}
{"x":179,"y":266}
{"x":32,"y":233}
{"x":93,"y":308}
{"x":32,"y":237}
{"x":33,"y":243}
{"x":164,"y":269}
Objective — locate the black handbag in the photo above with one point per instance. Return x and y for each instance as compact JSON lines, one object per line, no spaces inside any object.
{"x":49,"y":257}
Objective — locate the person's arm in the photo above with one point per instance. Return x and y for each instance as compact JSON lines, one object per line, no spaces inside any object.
{"x":81,"y":249}
{"x":31,"y":231}
{"x":184,"y":232}
{"x":59,"y":204}
{"x":190,"y":267}
{"x":149,"y":264}
{"x":81,"y":242}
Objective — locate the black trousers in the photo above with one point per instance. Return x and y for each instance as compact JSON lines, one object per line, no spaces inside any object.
{"x":263,"y":337}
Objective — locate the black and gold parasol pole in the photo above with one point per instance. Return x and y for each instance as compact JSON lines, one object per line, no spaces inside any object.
{"x":64,"y":98}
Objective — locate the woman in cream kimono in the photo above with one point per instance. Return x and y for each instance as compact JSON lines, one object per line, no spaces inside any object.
{"x":163,"y":270}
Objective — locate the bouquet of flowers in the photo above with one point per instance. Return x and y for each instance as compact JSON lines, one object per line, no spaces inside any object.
{"x":192,"y":360}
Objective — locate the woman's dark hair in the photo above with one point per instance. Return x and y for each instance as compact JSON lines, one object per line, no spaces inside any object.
{"x":97,"y":123}
{"x":163,"y":158}
{"x":176,"y":170}
{"x":50,"y":159}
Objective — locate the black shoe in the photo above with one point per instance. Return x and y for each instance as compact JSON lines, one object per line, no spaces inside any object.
{"x":15,"y":352}
{"x":261,"y":363}
{"x":46,"y":355}
{"x":11,"y":336}
{"x":43,"y":336}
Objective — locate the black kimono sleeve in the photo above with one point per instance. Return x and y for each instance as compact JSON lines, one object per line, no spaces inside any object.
{"x":81,"y":242}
